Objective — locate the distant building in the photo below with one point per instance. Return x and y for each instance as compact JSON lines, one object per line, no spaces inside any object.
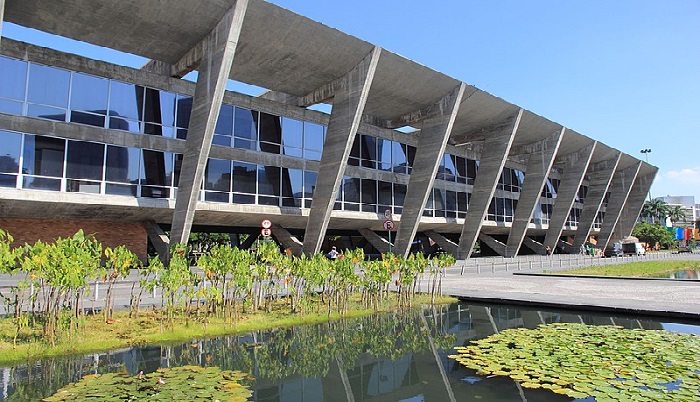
{"x":690,"y":208}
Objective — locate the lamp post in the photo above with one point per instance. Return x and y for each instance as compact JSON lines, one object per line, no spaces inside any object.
{"x":646,"y":152}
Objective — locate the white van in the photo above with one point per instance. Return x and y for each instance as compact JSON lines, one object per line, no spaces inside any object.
{"x":633,"y":249}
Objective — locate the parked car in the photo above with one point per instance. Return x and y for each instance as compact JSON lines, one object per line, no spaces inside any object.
{"x":684,"y":249}
{"x":613,"y":252}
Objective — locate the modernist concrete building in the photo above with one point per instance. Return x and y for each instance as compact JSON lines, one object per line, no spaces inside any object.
{"x":128,"y":152}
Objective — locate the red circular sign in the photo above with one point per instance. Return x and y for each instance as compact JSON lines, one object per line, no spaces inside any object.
{"x":266,"y":232}
{"x":266,"y":224}
{"x":388,"y":224}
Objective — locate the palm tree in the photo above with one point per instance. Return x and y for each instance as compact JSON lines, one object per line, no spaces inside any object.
{"x":676,"y":213}
{"x":656,"y":210}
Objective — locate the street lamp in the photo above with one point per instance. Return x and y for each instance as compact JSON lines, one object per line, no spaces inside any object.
{"x":646,"y":152}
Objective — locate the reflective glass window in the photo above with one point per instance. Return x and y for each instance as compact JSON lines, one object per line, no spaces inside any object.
{"x":13,"y":78}
{"x":224,"y":124}
{"x":439,"y":202}
{"x":399,"y":194}
{"x":160,"y":107}
{"x":43,"y":156}
{"x":292,"y":187}
{"x":354,"y":158}
{"x":462,"y":202}
{"x":384,"y":192}
{"x":156,"y":173}
{"x":245,"y":124}
{"x":351,"y":189}
{"x":411,"y":155}
{"x":368,"y":151}
{"x":369,"y":191}
{"x":314,"y":135}
{"x":429,"y":210}
{"x":48,"y":85}
{"x":10,"y":107}
{"x":46,"y":112}
{"x":123,"y":164}
{"x":309,"y":183}
{"x":244,"y":177}
{"x":292,"y":133}
{"x":384,"y":151}
{"x":182,"y":120}
{"x":270,"y":133}
{"x":268,"y":180}
{"x":84,"y":160}
{"x":89,"y":94}
{"x":10,"y":148}
{"x":126,"y":100}
{"x":398,"y":157}
{"x":218,"y":175}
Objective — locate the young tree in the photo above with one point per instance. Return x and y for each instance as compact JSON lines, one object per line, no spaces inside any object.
{"x":652,"y":233}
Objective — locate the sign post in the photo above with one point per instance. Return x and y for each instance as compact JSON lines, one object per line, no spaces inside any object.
{"x":389,"y":226}
{"x":266,"y":231}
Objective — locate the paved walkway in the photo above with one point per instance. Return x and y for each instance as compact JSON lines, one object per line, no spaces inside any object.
{"x":492,"y":283}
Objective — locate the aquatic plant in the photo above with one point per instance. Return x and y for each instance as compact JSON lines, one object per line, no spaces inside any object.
{"x":580,"y":361}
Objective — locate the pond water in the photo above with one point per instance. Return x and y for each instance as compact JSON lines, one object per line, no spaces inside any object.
{"x":686,"y":274}
{"x":385,"y":357}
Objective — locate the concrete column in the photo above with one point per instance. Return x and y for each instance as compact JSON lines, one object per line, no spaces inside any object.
{"x":442,"y":241}
{"x":381,"y":244}
{"x":214,"y":70}
{"x":619,"y":193}
{"x":571,"y":181}
{"x":633,"y":206}
{"x":538,"y":168}
{"x":493,"y":158}
{"x":159,"y":240}
{"x":495,"y":245}
{"x":348,"y":105}
{"x":288,"y":240}
{"x":600,"y":176}
{"x":435,"y":131}
{"x":2,"y":12}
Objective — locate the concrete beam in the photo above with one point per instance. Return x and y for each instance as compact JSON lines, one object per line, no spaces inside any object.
{"x":494,"y":156}
{"x":442,"y":241}
{"x":288,"y":240}
{"x":619,"y":193}
{"x":435,"y":132}
{"x":494,"y":244}
{"x":208,"y":95}
{"x":201,"y":52}
{"x":248,"y":243}
{"x":633,"y":206}
{"x":159,"y":240}
{"x":533,"y":245}
{"x":348,"y":106}
{"x":571,"y":181}
{"x":600,"y":177}
{"x":381,"y":244}
{"x":538,"y":168}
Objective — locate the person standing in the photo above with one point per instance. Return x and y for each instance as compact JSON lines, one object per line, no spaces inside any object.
{"x":333,"y":254}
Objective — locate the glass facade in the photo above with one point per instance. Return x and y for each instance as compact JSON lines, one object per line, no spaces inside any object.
{"x":49,"y":163}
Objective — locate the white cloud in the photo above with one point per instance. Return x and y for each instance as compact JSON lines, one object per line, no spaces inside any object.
{"x":685,"y":181}
{"x":687,"y":176}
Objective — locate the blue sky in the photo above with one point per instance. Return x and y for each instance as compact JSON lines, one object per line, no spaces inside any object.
{"x":625,"y":72}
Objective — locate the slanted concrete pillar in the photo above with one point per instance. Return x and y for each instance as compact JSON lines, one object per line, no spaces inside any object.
{"x":288,"y":240}
{"x":442,"y":241}
{"x":435,"y":131}
{"x":349,"y":98}
{"x":574,"y":172}
{"x":495,"y":245}
{"x":634,"y":204}
{"x":538,"y":167}
{"x":381,"y":244}
{"x":619,"y":193}
{"x":159,"y":240}
{"x":214,"y":70}
{"x":493,"y":158}
{"x":600,"y":176}
{"x":2,"y":12}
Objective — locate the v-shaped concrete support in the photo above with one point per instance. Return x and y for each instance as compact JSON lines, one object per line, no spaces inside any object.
{"x":621,"y":187}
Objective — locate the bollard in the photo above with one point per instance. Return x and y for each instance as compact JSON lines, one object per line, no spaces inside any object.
{"x":530,"y":265}
{"x":493,"y":266}
{"x":518,"y":265}
{"x":97,"y":290}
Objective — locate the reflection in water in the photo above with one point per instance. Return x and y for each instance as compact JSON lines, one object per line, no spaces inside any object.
{"x":686,"y":274}
{"x":397,"y":357}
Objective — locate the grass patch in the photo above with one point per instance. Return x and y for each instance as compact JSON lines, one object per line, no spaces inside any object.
{"x":644,"y":269}
{"x":97,"y":336}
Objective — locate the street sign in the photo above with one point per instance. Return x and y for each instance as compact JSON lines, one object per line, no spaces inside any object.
{"x":266,"y":224}
{"x":266,"y":232}
{"x":387,"y":214}
{"x":388,"y":224}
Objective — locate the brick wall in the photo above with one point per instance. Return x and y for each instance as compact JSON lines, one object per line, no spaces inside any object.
{"x":110,"y":234}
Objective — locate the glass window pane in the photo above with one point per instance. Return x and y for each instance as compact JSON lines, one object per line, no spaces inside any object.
{"x":292,"y":183}
{"x":160,"y":107}
{"x":13,"y":78}
{"x":10,"y":107}
{"x":384,"y":152}
{"x":399,"y":194}
{"x":398,"y":157}
{"x":84,"y":160}
{"x":41,"y":183}
{"x":292,"y":132}
{"x":369,"y":191}
{"x":384,"y":192}
{"x":270,"y":130}
{"x":314,"y":135}
{"x":89,"y":94}
{"x":268,"y":180}
{"x":351,"y":189}
{"x":245,"y":124}
{"x":125,"y":100}
{"x":97,"y":120}
{"x":10,"y":148}
{"x":43,"y":156}
{"x":156,"y":168}
{"x":123,"y":164}
{"x":8,"y":180}
{"x":48,"y":85}
{"x":309,"y":183}
{"x":46,"y":112}
{"x":368,"y":151}
{"x":224,"y":124}
{"x":184,"y":109}
{"x":244,"y":177}
{"x":218,"y":175}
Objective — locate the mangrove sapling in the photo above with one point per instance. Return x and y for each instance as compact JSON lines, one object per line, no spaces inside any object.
{"x":148,"y":281}
{"x":120,"y":260}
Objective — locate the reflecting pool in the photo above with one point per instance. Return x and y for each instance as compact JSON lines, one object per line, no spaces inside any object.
{"x":385,"y":357}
